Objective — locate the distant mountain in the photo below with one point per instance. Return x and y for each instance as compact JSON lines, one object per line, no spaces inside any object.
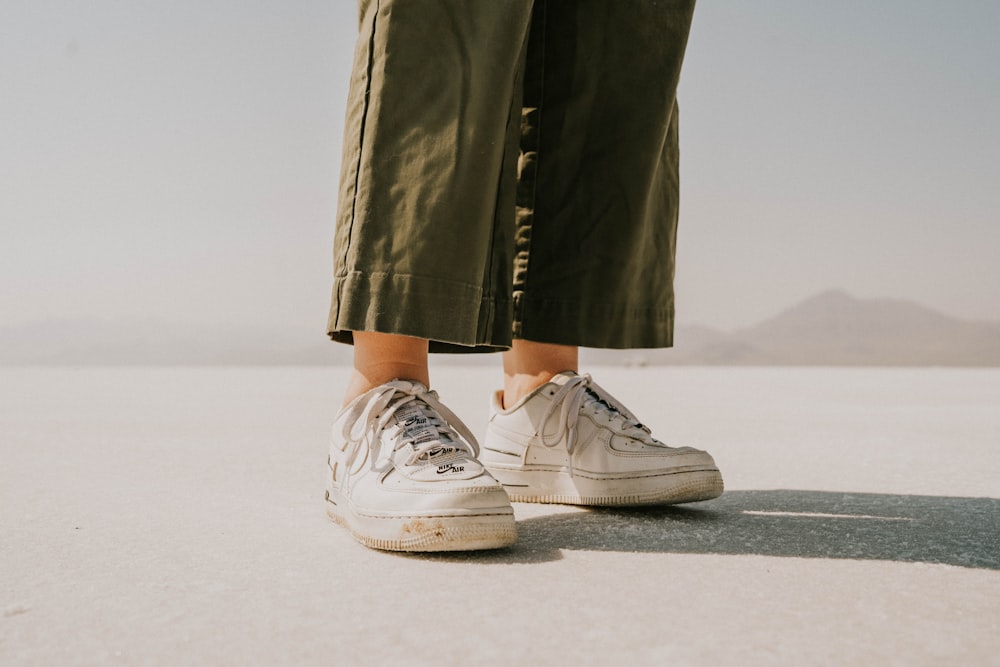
{"x":831,"y":329}
{"x":836,"y":329}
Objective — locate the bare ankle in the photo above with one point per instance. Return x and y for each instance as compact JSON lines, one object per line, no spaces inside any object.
{"x":380,"y":358}
{"x":528,"y":365}
{"x":517,"y":387}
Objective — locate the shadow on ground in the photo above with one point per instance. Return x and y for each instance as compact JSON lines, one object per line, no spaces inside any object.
{"x":806,"y":524}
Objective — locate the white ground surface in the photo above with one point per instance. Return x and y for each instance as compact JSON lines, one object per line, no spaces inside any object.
{"x":175,"y":517}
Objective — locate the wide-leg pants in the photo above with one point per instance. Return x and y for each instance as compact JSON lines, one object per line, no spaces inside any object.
{"x":510,"y":170}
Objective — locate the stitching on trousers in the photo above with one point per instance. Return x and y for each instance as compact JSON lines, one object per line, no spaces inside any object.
{"x":513,"y":115}
{"x":361,"y":132}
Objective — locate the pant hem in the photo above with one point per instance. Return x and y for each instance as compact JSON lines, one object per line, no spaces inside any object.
{"x":453,"y":316}
{"x":600,"y":325}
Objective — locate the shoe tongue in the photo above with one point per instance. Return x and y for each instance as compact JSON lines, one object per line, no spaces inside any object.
{"x":600,"y":399}
{"x":613,"y":408}
{"x":418,"y":428}
{"x":415,"y":424}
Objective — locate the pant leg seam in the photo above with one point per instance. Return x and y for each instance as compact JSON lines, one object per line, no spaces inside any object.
{"x":361,"y":133}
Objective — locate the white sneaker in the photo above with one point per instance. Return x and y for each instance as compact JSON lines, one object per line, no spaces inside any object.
{"x":404,"y":476}
{"x":571,"y":442}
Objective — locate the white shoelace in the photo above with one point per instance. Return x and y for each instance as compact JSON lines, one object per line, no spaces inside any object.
{"x":368,"y":419}
{"x":581,"y":392}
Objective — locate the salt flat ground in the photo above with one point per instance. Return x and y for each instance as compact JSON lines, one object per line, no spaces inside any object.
{"x":175,"y":516}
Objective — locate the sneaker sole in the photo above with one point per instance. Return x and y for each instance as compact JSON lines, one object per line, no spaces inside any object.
{"x":462,"y":532}
{"x":559,"y":487}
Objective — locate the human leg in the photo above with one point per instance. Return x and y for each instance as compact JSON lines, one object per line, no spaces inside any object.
{"x":597,"y":216}
{"x":379,"y":358}
{"x":422,"y":261}
{"x":528,"y":365}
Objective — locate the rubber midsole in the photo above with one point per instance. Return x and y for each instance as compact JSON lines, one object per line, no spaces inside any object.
{"x":547,"y":482}
{"x":452,"y":526}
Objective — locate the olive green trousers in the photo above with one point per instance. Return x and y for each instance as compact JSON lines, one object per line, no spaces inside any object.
{"x":510,"y":170}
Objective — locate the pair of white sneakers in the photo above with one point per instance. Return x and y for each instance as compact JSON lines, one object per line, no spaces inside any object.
{"x":405,"y":474}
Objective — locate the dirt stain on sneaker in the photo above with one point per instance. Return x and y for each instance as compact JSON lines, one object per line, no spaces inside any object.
{"x":424,"y":527}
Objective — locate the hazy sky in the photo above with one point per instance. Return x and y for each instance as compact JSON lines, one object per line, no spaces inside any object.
{"x":178,"y":159}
